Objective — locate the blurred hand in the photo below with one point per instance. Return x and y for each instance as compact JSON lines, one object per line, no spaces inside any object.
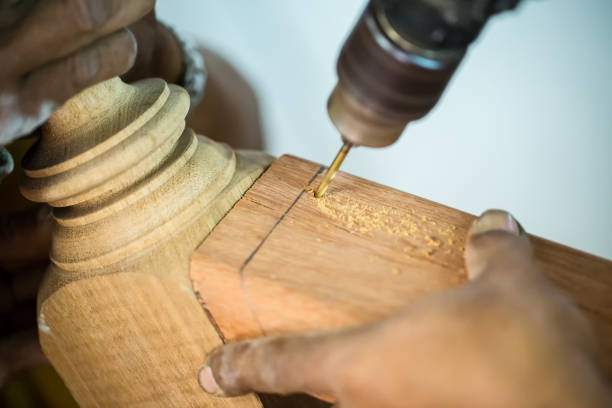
{"x":51,"y":50}
{"x":159,"y":54}
{"x":507,"y":338}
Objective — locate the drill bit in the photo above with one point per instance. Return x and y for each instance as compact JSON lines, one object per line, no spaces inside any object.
{"x":333,"y":169}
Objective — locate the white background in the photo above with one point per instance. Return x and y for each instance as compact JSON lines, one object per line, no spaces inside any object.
{"x":525,"y":125}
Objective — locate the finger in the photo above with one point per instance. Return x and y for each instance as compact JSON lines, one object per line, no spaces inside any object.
{"x":55,"y":83}
{"x":26,"y":237}
{"x":13,"y":11}
{"x":58,"y":28}
{"x":279,"y":365}
{"x":146,"y":33}
{"x":499,"y":247}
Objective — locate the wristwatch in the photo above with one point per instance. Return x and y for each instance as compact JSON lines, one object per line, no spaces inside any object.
{"x":194,"y":75}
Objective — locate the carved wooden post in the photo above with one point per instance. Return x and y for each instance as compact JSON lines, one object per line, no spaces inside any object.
{"x":134,"y":194}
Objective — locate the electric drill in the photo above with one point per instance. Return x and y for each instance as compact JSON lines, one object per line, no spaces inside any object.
{"x":395,"y":65}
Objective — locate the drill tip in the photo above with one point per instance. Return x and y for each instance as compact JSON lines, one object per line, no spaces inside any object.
{"x":333,"y":169}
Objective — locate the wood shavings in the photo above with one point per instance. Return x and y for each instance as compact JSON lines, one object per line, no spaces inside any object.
{"x":423,"y":233}
{"x":356,"y":216}
{"x":429,"y":252}
{"x":433,"y":241}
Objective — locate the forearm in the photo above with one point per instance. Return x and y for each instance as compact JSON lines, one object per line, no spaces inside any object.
{"x":229,"y":109}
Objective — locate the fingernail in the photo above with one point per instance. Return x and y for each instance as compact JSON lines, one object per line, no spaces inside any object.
{"x":495,"y":220}
{"x":134,"y":45}
{"x":207,"y":381}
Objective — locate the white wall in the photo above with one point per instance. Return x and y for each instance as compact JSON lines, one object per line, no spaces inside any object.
{"x":525,"y":125}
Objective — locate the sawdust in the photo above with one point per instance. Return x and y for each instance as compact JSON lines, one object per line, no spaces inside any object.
{"x":429,"y":252}
{"x":423,"y":233}
{"x":433,"y":241}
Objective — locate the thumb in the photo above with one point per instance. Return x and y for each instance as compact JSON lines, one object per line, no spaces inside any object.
{"x":498,"y":248}
{"x":278,"y":365}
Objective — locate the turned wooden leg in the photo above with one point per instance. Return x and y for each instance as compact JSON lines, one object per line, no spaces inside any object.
{"x":134,"y":194}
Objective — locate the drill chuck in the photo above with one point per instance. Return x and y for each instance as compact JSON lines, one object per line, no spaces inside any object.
{"x":398,"y":60}
{"x":395,"y":65}
{"x":383,"y":84}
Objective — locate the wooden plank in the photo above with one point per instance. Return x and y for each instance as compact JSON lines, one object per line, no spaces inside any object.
{"x":283,"y":261}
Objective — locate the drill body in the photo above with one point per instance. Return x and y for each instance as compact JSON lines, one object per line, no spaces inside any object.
{"x":398,"y":60}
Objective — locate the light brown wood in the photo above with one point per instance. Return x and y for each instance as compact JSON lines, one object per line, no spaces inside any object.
{"x":134,"y":194}
{"x":283,"y":261}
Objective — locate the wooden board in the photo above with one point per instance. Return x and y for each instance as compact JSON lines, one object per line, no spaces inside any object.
{"x":283,"y":261}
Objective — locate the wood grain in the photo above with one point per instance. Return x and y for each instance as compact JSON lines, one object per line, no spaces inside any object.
{"x":283,"y":261}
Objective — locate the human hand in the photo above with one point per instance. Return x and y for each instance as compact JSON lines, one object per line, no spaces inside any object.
{"x":51,"y":50}
{"x":507,"y":338}
{"x":159,"y":53}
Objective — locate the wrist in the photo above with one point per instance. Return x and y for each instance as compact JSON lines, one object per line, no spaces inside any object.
{"x":168,"y":55}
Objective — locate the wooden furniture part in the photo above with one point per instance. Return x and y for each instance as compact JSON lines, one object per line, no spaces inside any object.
{"x":134,"y":194}
{"x":284,"y":261}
